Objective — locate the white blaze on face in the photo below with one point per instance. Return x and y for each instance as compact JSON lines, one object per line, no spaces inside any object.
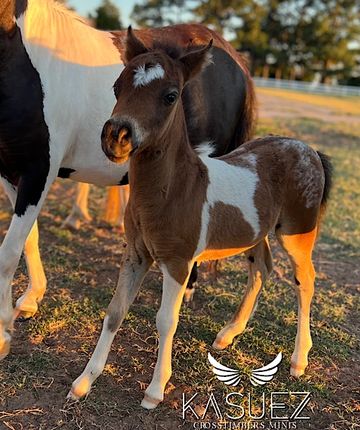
{"x":143,"y":76}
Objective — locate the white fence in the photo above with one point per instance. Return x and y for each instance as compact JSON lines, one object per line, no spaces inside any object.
{"x":310,"y":87}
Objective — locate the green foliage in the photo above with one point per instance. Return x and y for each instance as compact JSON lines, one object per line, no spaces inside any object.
{"x":107,"y":16}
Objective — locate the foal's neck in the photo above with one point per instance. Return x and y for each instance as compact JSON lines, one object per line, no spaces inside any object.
{"x":167,"y":161}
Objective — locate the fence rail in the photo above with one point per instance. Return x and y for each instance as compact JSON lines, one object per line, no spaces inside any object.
{"x":310,"y":87}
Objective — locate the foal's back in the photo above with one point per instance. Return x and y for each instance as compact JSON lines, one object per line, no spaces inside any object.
{"x":268,"y":182}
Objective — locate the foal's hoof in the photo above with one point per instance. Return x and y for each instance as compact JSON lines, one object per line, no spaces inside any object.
{"x":220,"y":344}
{"x":297,"y":371}
{"x":80,"y":388}
{"x":149,"y":402}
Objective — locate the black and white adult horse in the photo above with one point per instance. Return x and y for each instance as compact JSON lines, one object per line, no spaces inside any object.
{"x":56,"y":79}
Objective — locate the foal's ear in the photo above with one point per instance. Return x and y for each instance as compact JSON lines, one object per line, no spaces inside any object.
{"x":196,"y":61}
{"x":134,"y":46}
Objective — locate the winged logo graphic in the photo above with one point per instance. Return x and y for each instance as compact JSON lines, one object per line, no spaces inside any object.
{"x":259,"y":376}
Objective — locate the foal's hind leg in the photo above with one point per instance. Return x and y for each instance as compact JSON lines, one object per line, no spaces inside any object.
{"x":260,"y":266}
{"x":299,"y":248}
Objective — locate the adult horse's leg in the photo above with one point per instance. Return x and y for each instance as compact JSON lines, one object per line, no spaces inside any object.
{"x":26,"y":213}
{"x":27,"y":304}
{"x":124,"y":198}
{"x":116,"y":201}
{"x":79,"y":211}
{"x":136,"y":261}
{"x":259,"y":268}
{"x":166,"y":322}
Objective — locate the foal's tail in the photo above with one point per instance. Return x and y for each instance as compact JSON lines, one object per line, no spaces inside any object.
{"x":328,"y":171}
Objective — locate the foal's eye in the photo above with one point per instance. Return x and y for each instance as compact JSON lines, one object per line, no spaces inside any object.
{"x":171,"y":98}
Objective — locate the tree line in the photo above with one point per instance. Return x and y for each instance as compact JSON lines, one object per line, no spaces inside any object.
{"x":288,"y":39}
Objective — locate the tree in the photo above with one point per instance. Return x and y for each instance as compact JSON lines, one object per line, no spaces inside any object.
{"x":157,"y":13}
{"x":284,"y":38}
{"x":326,"y":30}
{"x":107,"y":16}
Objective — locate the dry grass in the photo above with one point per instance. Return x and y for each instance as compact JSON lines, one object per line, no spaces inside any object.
{"x":343,"y":105}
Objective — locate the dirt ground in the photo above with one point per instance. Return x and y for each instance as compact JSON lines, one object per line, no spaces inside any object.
{"x":50,"y":350}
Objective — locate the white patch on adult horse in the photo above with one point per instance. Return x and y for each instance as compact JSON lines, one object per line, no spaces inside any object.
{"x":144,"y":75}
{"x":305,"y":173}
{"x":89,"y":63}
{"x":231,"y":185}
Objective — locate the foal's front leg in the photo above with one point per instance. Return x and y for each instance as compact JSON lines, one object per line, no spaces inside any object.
{"x":134,"y":266}
{"x":166,"y":322}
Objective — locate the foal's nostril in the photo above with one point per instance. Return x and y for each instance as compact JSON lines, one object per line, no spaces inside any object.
{"x":124,"y":136}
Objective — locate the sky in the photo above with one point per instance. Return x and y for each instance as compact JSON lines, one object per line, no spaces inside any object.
{"x":83,"y":7}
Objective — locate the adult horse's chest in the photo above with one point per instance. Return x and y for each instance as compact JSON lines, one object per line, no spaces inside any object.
{"x":24,"y":135}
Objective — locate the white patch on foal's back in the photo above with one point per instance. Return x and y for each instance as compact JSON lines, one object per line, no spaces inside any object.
{"x":231,"y":185}
{"x":144,"y":75}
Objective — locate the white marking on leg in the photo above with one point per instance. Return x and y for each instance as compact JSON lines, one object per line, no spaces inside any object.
{"x":81,"y":386}
{"x":166,"y":321}
{"x":144,"y":75}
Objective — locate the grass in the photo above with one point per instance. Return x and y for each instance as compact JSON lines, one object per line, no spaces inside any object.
{"x":50,"y":350}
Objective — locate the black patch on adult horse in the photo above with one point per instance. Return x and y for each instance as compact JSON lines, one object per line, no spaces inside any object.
{"x":212,"y":107}
{"x":65,"y":172}
{"x":124,"y":179}
{"x":20,"y":7}
{"x":297,"y":282}
{"x":24,"y":135}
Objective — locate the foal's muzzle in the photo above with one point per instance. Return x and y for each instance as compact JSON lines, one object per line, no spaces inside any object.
{"x":117,"y":140}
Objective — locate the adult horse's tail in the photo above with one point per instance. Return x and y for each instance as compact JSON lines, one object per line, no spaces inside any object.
{"x":245,"y":128}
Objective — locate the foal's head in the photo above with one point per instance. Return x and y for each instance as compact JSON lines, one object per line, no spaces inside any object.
{"x":148,"y":94}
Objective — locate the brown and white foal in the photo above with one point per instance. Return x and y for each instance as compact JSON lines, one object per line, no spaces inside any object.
{"x":186,"y":207}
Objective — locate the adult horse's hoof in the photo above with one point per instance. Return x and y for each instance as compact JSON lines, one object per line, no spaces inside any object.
{"x":24,"y":312}
{"x":5,"y":346}
{"x":149,"y":402}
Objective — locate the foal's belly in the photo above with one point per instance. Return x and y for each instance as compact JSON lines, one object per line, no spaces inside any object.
{"x":218,"y":254}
